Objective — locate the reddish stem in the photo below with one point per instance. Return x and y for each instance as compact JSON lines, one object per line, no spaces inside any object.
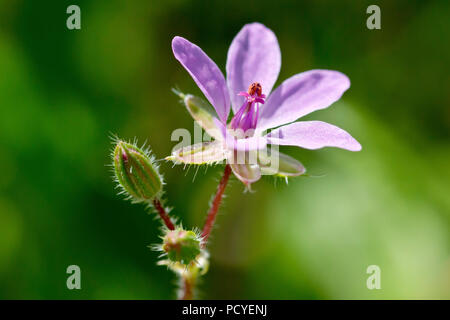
{"x":163,"y":214}
{"x":188,"y":292}
{"x":215,"y":204}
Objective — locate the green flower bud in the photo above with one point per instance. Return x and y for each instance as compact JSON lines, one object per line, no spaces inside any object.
{"x":181,"y":245}
{"x":136,"y":172}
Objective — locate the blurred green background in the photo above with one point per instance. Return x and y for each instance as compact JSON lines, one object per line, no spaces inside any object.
{"x":63,"y":92}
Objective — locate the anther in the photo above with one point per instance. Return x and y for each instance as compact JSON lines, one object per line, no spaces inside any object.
{"x":255,"y":88}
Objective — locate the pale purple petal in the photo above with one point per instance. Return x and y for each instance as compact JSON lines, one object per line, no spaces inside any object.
{"x":205,"y":73}
{"x":254,"y":56}
{"x":248,"y":144}
{"x":302,"y":94}
{"x":313,"y":135}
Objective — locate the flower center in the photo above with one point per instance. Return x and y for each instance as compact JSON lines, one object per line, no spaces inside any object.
{"x":246,"y":118}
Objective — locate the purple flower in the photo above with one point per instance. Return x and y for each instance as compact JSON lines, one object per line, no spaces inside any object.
{"x":253,"y":64}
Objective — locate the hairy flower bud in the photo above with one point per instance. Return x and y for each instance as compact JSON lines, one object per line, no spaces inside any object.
{"x":136,"y":172}
{"x":181,"y":245}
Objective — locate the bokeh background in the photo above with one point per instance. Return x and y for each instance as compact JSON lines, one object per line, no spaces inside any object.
{"x":63,"y":92}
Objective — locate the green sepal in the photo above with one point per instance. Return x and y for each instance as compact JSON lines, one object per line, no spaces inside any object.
{"x":136,"y":172}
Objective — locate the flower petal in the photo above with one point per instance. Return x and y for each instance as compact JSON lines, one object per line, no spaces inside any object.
{"x":200,"y":153}
{"x":201,"y":111}
{"x":205,"y":73}
{"x":244,"y":144}
{"x":302,"y":94}
{"x":273,"y":162}
{"x":254,"y":56}
{"x":247,"y":173}
{"x":313,"y":135}
{"x":247,"y":144}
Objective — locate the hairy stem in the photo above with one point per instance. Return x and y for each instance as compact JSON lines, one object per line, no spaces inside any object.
{"x":187,"y":288}
{"x":163,"y":214}
{"x":215,"y":204}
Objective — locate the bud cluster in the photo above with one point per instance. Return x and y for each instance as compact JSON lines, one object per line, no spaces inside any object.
{"x":181,"y":245}
{"x":136,"y":173}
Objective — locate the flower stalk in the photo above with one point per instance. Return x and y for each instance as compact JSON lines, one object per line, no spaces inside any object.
{"x":211,"y":217}
{"x":187,"y":288}
{"x":163,"y":214}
